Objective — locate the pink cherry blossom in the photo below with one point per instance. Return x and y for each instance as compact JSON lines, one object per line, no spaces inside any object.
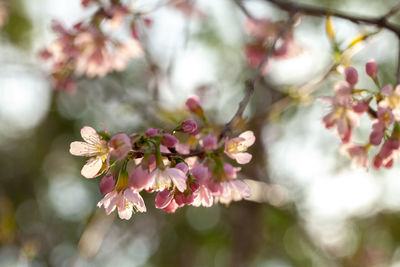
{"x":236,"y":148}
{"x":204,"y":196}
{"x":209,"y":142}
{"x":342,"y":114}
{"x":391,"y":100}
{"x":94,"y":147}
{"x":230,"y":171}
{"x":385,"y":118}
{"x":234,"y":190}
{"x":387,"y":154}
{"x":358,"y":155}
{"x":120,"y":146}
{"x":140,"y":178}
{"x":126,"y":202}
{"x":166,"y":178}
{"x":172,"y":207}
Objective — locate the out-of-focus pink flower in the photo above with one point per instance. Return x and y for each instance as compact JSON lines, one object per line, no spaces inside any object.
{"x":262,"y":29}
{"x":165,"y":178}
{"x":385,"y":118}
{"x":107,"y":184}
{"x":3,"y":14}
{"x":94,"y":147}
{"x":236,"y":148}
{"x":342,"y":114}
{"x":151,"y":132}
{"x":189,"y":126}
{"x":351,"y":75}
{"x":230,"y":171}
{"x":126,"y":202}
{"x":119,"y":146}
{"x":358,"y":155}
{"x":234,"y":190}
{"x":391,"y":100}
{"x":209,"y":142}
{"x":139,"y":178}
{"x":371,"y":68}
{"x":387,"y":154}
{"x":169,"y":140}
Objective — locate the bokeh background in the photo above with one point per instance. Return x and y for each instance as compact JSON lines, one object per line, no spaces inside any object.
{"x":311,"y":209}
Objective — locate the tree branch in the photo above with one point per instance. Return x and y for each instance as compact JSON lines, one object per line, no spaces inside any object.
{"x":380,"y":22}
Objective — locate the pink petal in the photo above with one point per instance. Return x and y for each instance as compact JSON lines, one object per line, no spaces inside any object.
{"x":242,"y":188}
{"x":163,"y":198}
{"x":178,"y":177}
{"x":124,"y":209}
{"x":243,"y":158}
{"x":82,"y":149}
{"x":136,"y":199}
{"x":139,"y":179}
{"x":92,"y":168}
{"x":90,"y":135}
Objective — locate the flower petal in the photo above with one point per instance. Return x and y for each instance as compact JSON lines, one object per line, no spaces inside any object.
{"x":90,"y":135}
{"x":249,"y":138}
{"x":92,"y":167}
{"x":82,"y":149}
{"x":243,"y":158}
{"x":178,"y":177}
{"x":163,"y":199}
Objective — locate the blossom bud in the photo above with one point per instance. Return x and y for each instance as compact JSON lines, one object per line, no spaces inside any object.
{"x":371,"y":69}
{"x":169,"y":140}
{"x":107,"y":184}
{"x":193,"y":104}
{"x":189,"y":126}
{"x":120,"y":145}
{"x":151,"y":132}
{"x":351,"y":75}
{"x":163,"y":198}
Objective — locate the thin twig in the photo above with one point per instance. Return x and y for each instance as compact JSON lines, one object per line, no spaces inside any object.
{"x":250,"y":84}
{"x":392,"y":12}
{"x":380,"y":22}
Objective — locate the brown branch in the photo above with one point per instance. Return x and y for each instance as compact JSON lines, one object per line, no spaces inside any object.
{"x":392,"y":12}
{"x":380,"y":22}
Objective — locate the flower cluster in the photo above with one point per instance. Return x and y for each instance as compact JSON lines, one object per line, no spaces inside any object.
{"x":264,"y":32}
{"x":350,"y":103}
{"x":89,"y":48}
{"x":185,"y":166}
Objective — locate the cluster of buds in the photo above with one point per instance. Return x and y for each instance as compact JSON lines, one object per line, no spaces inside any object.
{"x":264,"y":33}
{"x":185,"y":166}
{"x":350,"y":103}
{"x":89,"y":48}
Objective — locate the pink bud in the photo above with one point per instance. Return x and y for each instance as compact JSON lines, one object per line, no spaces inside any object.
{"x":209,"y":142}
{"x":351,"y":75}
{"x":151,"y":132}
{"x":371,"y":68}
{"x":189,"y":126}
{"x":377,"y":162}
{"x":107,"y":184}
{"x":169,"y":140}
{"x":193,"y":103}
{"x":360,"y":107}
